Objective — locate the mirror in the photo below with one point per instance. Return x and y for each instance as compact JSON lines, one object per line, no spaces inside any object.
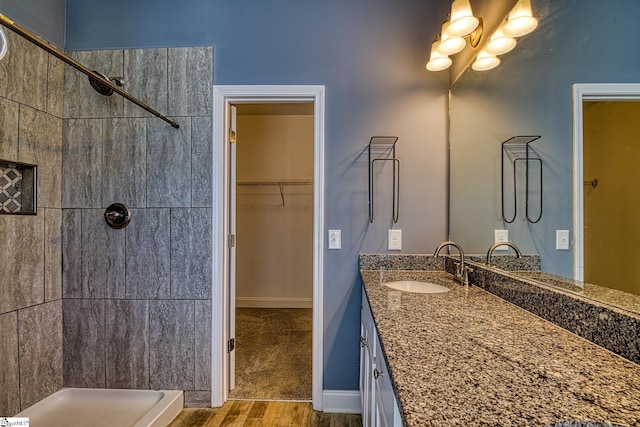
{"x":531,"y":93}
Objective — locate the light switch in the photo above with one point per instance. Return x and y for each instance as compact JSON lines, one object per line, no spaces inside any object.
{"x":335,"y":239}
{"x":562,"y":240}
{"x":395,"y":240}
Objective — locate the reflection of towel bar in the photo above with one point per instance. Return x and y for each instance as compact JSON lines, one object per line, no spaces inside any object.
{"x":593,"y":182}
{"x":517,"y":148}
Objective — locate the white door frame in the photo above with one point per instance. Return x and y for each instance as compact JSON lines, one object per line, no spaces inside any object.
{"x":223,"y":96}
{"x":589,"y":92}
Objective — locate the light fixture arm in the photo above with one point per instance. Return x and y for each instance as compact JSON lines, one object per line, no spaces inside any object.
{"x":476,"y":35}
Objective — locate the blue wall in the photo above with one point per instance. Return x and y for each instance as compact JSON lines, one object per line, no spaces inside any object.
{"x":45,"y":18}
{"x":370,"y":55}
{"x":530,"y":93}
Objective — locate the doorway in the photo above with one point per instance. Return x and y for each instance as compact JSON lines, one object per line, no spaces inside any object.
{"x":273,"y":226}
{"x":611,"y":155}
{"x":606,"y":155}
{"x":224,"y":98}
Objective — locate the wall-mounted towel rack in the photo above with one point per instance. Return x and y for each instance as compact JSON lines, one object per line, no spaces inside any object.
{"x":279,"y":184}
{"x":518,"y":149}
{"x":387,"y":144}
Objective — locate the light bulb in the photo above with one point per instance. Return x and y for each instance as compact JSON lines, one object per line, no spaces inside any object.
{"x":437,"y":61}
{"x":462,"y":20}
{"x":3,"y":43}
{"x":520,"y":20}
{"x":499,"y":44}
{"x":450,"y":45}
{"x":485,"y":61}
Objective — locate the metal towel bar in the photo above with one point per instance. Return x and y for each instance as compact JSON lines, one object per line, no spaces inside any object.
{"x":387,"y":143}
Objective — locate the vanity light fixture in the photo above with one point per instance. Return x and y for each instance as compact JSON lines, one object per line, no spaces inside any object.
{"x":3,"y":43}
{"x":485,"y":61}
{"x":462,"y":25}
{"x":451,"y":40}
{"x":449,"y":44}
{"x":462,"y":20}
{"x":500,"y":43}
{"x":437,"y":60}
{"x":520,"y":20}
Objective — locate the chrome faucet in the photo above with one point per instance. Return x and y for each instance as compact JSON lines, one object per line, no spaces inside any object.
{"x":496,"y":244}
{"x":462,"y":272}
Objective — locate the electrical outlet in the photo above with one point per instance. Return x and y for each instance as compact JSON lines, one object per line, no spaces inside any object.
{"x":562,"y":240}
{"x":395,"y":240}
{"x":335,"y":239}
{"x":501,"y":236}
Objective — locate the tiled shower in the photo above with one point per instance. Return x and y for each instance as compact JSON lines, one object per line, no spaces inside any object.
{"x":31,"y":111}
{"x":82,"y":304}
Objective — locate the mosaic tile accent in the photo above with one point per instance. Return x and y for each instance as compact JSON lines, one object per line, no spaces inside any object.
{"x":17,"y":188}
{"x":10,"y":190}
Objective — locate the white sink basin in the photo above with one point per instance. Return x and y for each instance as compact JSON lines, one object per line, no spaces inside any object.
{"x":417,"y":287}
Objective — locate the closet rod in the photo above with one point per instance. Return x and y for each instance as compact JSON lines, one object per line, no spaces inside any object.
{"x":280,"y":185}
{"x":9,"y":23}
{"x":258,"y":183}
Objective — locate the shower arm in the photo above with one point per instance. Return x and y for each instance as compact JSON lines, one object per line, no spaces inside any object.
{"x":4,"y":20}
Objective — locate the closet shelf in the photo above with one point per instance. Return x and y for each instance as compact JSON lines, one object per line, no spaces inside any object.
{"x":518,"y":149}
{"x":385,"y":144}
{"x":279,"y":184}
{"x":285,"y":182}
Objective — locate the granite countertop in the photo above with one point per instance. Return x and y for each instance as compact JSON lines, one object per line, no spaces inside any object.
{"x":617,"y":298}
{"x":467,"y":357}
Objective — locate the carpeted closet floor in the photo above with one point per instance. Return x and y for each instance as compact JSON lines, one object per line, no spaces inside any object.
{"x":273,"y":354}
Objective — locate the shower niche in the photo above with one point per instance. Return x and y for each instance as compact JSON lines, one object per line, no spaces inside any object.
{"x":17,"y":188}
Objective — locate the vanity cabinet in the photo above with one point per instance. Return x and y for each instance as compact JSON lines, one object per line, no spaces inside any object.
{"x":378,"y":401}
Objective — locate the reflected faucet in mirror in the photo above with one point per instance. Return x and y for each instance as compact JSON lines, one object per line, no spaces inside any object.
{"x":462,"y":272}
{"x":497,"y":245}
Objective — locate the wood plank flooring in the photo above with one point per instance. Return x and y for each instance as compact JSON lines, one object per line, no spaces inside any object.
{"x":245,"y":413}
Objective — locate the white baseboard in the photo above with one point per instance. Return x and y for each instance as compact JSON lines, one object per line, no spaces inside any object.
{"x":341,"y":401}
{"x":273,"y":302}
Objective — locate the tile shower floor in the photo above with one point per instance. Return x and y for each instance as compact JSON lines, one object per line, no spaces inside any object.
{"x":273,"y":354}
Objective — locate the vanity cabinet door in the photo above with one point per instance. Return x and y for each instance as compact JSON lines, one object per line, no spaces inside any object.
{"x":385,"y":398}
{"x":378,"y":401}
{"x":367,"y":365}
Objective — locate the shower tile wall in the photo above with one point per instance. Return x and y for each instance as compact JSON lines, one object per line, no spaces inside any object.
{"x":31,"y":350}
{"x":137,"y":308}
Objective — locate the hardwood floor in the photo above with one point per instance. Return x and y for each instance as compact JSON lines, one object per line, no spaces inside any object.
{"x":262,"y":413}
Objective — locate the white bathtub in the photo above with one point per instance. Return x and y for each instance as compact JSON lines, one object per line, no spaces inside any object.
{"x":92,"y":407}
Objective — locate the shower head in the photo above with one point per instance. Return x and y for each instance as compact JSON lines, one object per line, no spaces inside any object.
{"x":102,"y":88}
